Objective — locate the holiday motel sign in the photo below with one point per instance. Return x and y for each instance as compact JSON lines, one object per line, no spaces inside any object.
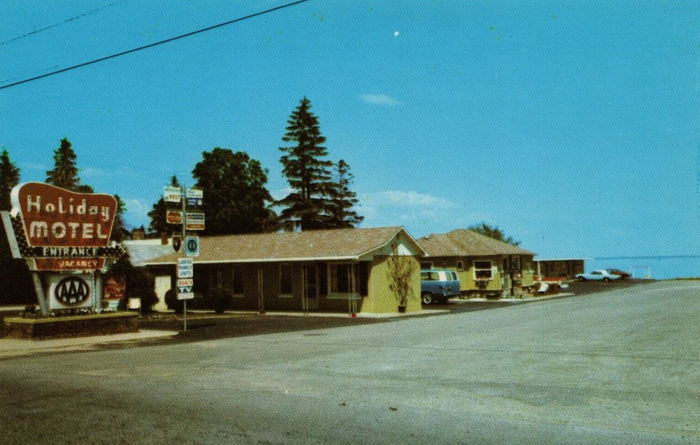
{"x":63,"y":230}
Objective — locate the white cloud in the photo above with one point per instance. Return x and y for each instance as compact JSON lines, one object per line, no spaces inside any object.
{"x":420,"y":213}
{"x":32,"y":166}
{"x":406,"y":199}
{"x":379,"y":99}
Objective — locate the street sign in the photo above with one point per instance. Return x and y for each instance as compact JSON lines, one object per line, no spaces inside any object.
{"x":173,"y":216}
{"x":192,"y":246}
{"x":185,"y":282}
{"x":195,"y":202}
{"x":194,"y":221}
{"x":185,"y":296}
{"x":171,"y":194}
{"x":195,"y":193}
{"x":185,"y":268}
{"x":185,"y":287}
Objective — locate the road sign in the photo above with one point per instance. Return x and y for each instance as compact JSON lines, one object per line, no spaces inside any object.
{"x":194,"y":221}
{"x":173,"y":216}
{"x":195,"y":202}
{"x":171,"y":194}
{"x":185,"y":282}
{"x":195,"y":193}
{"x":185,"y":268}
{"x":192,"y":246}
{"x":185,"y":296}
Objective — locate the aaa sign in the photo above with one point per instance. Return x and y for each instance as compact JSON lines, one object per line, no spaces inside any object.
{"x":53,"y":216}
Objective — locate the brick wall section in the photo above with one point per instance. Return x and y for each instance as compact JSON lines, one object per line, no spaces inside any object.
{"x":77,"y":326}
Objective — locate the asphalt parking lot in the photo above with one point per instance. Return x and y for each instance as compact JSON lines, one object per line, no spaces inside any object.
{"x":209,"y":326}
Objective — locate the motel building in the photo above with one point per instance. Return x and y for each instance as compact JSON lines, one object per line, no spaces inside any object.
{"x":341,"y":270}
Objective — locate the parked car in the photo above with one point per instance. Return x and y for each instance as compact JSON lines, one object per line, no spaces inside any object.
{"x":623,"y":275}
{"x":438,"y":285}
{"x":599,"y":275}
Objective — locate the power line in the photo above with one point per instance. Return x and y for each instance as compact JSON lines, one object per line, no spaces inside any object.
{"x":76,"y":17}
{"x":151,"y":45}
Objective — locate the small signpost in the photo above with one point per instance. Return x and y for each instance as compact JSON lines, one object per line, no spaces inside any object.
{"x":185,"y":284}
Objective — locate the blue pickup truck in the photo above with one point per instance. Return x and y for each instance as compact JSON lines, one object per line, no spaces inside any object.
{"x":438,"y":285}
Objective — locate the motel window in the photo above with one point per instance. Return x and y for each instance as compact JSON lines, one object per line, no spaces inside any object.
{"x":286,"y":279}
{"x":340,"y":278}
{"x":237,"y":279}
{"x":482,"y":270}
{"x":460,"y":265}
{"x":363,"y":277}
{"x":426,"y":265}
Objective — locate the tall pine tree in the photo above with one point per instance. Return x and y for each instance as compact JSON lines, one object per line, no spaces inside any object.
{"x":158,"y":223}
{"x":9,"y":177}
{"x":308,"y":206}
{"x":65,"y":171}
{"x":342,"y":214}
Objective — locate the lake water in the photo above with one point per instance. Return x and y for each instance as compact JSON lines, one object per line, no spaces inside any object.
{"x":657,"y":267}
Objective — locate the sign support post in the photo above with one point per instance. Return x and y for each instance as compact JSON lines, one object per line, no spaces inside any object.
{"x":185,"y":265}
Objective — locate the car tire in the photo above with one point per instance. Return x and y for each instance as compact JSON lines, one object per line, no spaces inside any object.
{"x":606,"y":279}
{"x":427,"y":298}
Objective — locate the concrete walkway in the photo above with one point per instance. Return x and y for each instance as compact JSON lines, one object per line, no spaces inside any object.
{"x":12,"y":347}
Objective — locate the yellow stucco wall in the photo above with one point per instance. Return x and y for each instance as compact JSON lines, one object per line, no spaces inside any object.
{"x":381,"y":299}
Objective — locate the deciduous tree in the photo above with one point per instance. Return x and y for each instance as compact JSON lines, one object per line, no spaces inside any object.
{"x":235,"y":197}
{"x":493,"y":232}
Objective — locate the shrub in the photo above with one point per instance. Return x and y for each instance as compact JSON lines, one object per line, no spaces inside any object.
{"x":173,"y":303}
{"x":219,"y":299}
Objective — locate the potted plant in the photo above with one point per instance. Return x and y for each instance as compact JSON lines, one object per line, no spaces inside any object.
{"x":400,"y":273}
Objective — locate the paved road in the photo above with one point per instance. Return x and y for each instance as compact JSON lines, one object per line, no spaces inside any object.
{"x":616,"y":367}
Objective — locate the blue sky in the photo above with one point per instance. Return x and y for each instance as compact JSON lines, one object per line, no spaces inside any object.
{"x":573,"y":126}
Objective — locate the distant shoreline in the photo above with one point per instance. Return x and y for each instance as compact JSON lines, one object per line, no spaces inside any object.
{"x":643,"y":257}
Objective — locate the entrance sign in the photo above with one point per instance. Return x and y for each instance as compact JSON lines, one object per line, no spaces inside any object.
{"x":171,"y":194}
{"x":52,"y":216}
{"x":57,"y":230}
{"x":185,"y":268}
{"x":192,"y":246}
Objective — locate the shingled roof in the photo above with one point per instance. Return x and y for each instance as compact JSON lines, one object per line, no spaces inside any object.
{"x":463,"y":242}
{"x":338,"y":244}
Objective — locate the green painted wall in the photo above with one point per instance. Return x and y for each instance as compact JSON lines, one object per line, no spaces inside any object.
{"x":381,"y":299}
